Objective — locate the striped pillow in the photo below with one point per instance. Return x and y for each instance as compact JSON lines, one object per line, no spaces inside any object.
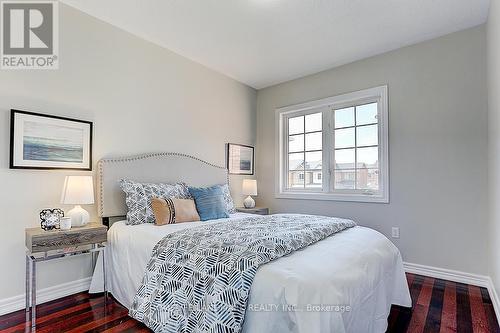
{"x":169,"y":211}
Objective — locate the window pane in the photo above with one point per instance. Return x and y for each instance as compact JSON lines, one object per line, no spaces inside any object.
{"x":344,"y":159}
{"x":296,"y":143}
{"x":314,"y":141}
{"x":366,"y":114}
{"x":367,"y":135}
{"x":296,"y":161}
{"x":368,"y":157}
{"x":296,"y":125}
{"x":367,"y":179}
{"x":314,"y":160}
{"x":313,"y":122}
{"x":344,"y":138}
{"x":345,"y":179}
{"x":313,"y":179}
{"x":344,"y":117}
{"x":296,"y":179}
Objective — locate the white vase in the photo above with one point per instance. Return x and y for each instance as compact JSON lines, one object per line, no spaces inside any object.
{"x":79,"y":216}
{"x":249,"y":202}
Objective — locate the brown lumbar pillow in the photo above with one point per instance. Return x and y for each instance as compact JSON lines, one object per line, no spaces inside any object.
{"x":168,"y":211}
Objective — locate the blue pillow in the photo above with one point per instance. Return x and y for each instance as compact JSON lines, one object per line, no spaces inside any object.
{"x":209,"y":202}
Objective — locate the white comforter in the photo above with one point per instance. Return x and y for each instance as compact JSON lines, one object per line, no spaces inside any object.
{"x":359,"y":270}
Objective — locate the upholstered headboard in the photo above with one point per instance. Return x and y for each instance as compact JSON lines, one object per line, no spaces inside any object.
{"x":151,"y":168}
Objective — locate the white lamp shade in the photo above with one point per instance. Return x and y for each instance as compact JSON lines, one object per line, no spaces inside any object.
{"x":249,"y":187}
{"x":78,"y":190}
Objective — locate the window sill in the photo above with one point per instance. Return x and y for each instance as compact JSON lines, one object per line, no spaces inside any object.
{"x":333,"y":197}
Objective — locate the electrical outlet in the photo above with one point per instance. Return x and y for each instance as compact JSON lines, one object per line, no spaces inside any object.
{"x":395,"y":232}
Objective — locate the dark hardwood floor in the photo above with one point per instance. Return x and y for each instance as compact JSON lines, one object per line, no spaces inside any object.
{"x":438,"y":306}
{"x":444,"y":306}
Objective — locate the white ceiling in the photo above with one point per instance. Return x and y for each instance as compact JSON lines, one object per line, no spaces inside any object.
{"x":264,"y":42}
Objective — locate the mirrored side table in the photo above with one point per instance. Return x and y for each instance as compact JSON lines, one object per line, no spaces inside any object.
{"x":44,"y":245}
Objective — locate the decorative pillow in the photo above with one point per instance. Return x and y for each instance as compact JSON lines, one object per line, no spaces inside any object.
{"x":228,"y":200}
{"x":168,"y":211}
{"x":134,"y":195}
{"x":138,"y":198}
{"x":209,"y":202}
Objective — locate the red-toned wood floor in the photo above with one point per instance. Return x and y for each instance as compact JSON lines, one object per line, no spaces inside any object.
{"x":444,"y":306}
{"x":438,"y":306}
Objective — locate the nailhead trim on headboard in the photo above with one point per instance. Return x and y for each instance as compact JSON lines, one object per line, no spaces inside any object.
{"x":100,"y":166}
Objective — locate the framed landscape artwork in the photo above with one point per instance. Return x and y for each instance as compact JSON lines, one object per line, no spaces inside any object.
{"x":39,"y":141}
{"x":240,"y":159}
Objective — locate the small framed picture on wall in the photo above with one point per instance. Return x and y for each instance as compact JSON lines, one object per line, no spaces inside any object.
{"x":39,"y":141}
{"x":240,"y":159}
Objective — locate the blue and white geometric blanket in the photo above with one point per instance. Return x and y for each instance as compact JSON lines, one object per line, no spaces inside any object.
{"x":199,"y":279}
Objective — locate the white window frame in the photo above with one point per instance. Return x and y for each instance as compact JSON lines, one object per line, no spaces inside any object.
{"x":376,"y":94}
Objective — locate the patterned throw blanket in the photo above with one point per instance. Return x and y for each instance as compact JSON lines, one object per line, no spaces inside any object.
{"x":199,"y":279}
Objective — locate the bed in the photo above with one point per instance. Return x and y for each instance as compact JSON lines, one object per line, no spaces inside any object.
{"x":344,"y":283}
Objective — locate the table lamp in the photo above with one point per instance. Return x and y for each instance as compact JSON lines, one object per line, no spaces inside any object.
{"x":78,"y":190}
{"x":249,"y":188}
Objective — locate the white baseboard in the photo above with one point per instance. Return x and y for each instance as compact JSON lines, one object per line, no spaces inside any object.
{"x":16,"y":303}
{"x":448,"y":274}
{"x":457,"y":276}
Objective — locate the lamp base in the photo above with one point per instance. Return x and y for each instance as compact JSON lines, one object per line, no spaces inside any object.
{"x":249,"y":202}
{"x":79,"y":217}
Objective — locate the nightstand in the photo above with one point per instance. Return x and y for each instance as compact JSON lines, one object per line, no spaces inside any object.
{"x":255,"y":210}
{"x":44,"y":245}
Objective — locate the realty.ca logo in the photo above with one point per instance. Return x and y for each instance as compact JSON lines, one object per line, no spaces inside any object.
{"x":30,"y":38}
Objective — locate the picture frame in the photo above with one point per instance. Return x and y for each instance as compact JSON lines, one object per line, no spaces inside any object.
{"x":41,"y":141}
{"x":240,"y":159}
{"x":50,"y":219}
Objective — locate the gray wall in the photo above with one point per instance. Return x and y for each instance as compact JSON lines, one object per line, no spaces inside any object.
{"x":493,"y":40}
{"x":142,"y":98}
{"x":438,"y":147}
